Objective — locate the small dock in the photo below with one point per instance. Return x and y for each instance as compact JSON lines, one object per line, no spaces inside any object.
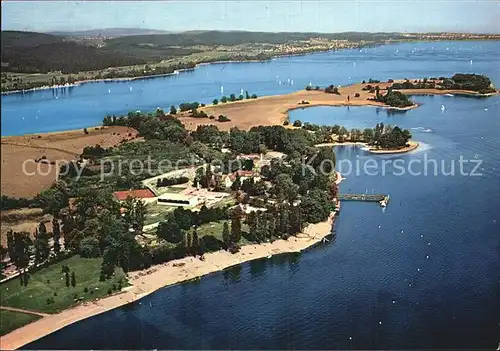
{"x":380,"y":198}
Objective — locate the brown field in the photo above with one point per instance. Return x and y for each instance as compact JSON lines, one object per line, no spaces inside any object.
{"x":56,"y":147}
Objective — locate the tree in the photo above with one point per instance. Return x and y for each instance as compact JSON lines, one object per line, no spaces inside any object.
{"x":66,"y":278}
{"x":170,"y":231}
{"x":247,"y":96}
{"x":232,"y":97}
{"x":253,"y":221}
{"x":315,"y":206}
{"x":236,"y":184}
{"x":284,"y":188}
{"x":226,"y":235}
{"x":22,"y":243}
{"x":196,"y":243}
{"x":56,"y":235}
{"x":89,"y":247}
{"x":236,"y":225}
{"x":215,"y":101}
{"x":184,"y":218}
{"x":271,"y":226}
{"x":42,"y":248}
{"x":11,"y":249}
{"x":262,"y":227}
{"x":189,"y":242}
{"x":296,"y":220}
{"x":297,"y":123}
{"x":73,"y":279}
{"x":284,"y":222}
{"x":173,"y":110}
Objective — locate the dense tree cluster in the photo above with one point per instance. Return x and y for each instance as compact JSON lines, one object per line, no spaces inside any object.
{"x":387,"y":137}
{"x":393,"y":98}
{"x":162,"y":182}
{"x":332,"y":90}
{"x":474,"y":82}
{"x":418,"y":84}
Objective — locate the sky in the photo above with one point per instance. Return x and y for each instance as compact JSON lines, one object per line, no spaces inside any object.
{"x":327,"y":16}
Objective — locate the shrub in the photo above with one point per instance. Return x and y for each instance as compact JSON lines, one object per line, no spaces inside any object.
{"x":356,"y":95}
{"x":223,"y":118}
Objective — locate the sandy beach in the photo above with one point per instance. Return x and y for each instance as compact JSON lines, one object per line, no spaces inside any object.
{"x":412,"y":145}
{"x":173,"y":272}
{"x":273,"y":110}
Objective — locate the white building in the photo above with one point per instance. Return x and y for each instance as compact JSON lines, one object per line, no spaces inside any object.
{"x":178,"y":200}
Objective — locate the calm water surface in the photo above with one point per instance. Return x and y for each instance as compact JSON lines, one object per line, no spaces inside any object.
{"x":423,"y":273}
{"x":86,"y":105}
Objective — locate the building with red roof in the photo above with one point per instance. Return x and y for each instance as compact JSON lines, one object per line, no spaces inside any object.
{"x":137,"y":193}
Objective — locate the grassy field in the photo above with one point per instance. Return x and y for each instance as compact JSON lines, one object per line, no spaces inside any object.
{"x":12,"y":320}
{"x":156,"y":213}
{"x":49,"y":283}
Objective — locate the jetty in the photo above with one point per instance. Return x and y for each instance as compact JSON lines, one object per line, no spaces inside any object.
{"x":382,"y":199}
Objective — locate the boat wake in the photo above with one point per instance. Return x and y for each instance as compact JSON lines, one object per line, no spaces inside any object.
{"x":422,"y":130}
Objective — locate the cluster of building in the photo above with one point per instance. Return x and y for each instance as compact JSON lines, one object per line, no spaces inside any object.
{"x":188,"y":197}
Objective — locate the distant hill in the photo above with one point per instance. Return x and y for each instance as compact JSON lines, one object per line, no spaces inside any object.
{"x":241,"y":37}
{"x":20,"y":39}
{"x":109,"y":32}
{"x":32,"y":52}
{"x":71,"y":52}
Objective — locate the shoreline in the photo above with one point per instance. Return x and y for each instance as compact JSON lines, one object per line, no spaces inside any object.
{"x":175,"y":72}
{"x":146,"y":282}
{"x":413,"y":145}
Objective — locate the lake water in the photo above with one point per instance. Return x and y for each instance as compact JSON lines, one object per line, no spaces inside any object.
{"x":86,"y":105}
{"x":423,"y":273}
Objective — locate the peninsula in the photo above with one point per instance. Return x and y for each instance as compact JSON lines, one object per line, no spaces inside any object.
{"x":105,"y":236}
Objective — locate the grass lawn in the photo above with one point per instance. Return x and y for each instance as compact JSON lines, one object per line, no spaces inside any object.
{"x":50,"y":283}
{"x":12,"y":320}
{"x":156,"y":213}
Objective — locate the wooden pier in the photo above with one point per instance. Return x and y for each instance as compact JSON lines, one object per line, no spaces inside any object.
{"x":380,"y":198}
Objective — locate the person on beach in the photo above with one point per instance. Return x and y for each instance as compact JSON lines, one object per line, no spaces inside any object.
{"x":348,"y":98}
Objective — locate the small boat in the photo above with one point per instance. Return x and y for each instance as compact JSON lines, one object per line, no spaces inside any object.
{"x":385,"y":201}
{"x":269,"y":256}
{"x":448,"y":94}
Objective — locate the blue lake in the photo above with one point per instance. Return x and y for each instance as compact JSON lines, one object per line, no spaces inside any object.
{"x":423,"y":273}
{"x":86,"y":105}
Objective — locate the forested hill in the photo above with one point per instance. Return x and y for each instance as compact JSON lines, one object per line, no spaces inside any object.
{"x":240,"y":37}
{"x":18,"y":39}
{"x":32,"y":52}
{"x":109,"y":32}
